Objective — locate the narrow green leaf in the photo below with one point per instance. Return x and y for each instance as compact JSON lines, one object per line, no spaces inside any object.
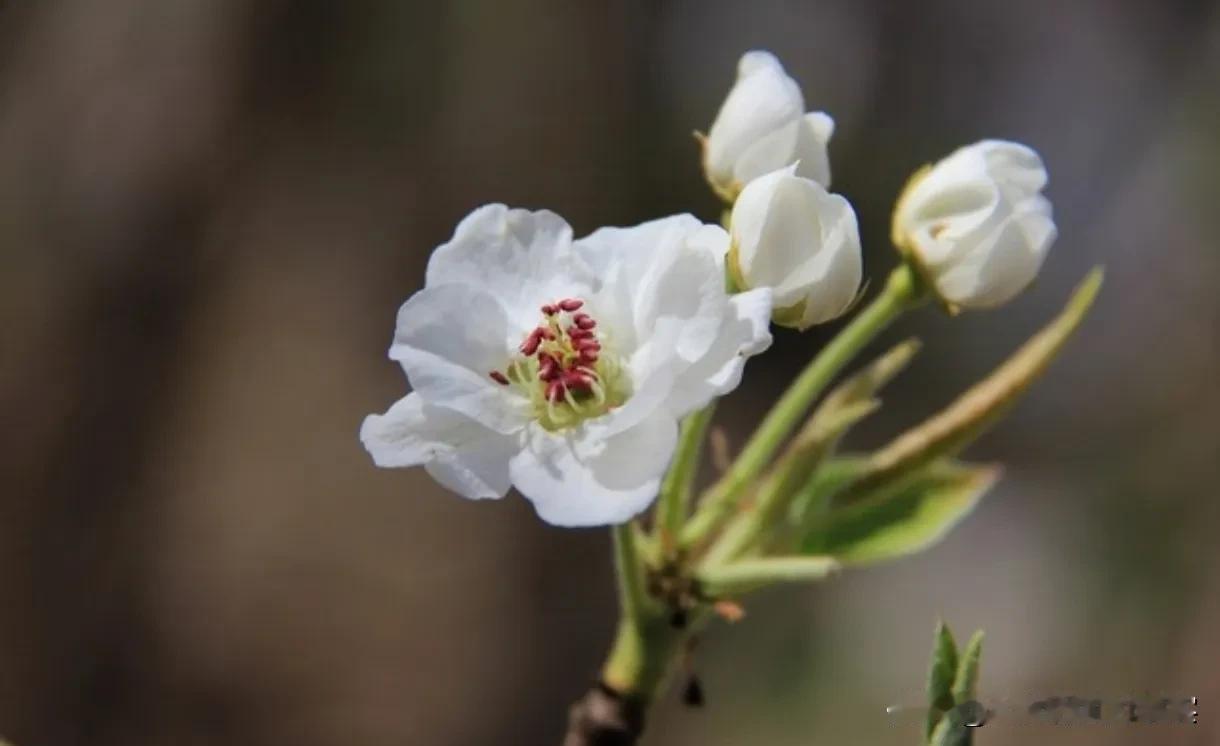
{"x":865,"y":384}
{"x":830,"y":421}
{"x":892,"y":524}
{"x":940,"y":676}
{"x":955,"y":427}
{"x":966,"y":680}
{"x":781,"y":485}
{"x":746,"y":575}
{"x":951,"y":730}
{"x":827,"y":480}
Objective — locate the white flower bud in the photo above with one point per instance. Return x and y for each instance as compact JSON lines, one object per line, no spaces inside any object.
{"x":762,"y":126}
{"x":976,"y":224}
{"x":791,"y":235}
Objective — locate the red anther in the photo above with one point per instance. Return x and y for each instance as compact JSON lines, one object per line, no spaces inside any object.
{"x":571,"y":304}
{"x":588,"y":355}
{"x":588,"y":343}
{"x":554,"y":390}
{"x":545,"y":332}
{"x":499,"y":377}
{"x":578,"y":334}
{"x":548,"y":369}
{"x":530,"y":345}
{"x":549,"y":310}
{"x":574,"y":379}
{"x":585,"y":321}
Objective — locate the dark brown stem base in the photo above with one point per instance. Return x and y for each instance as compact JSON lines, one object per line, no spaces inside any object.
{"x":603,"y":717}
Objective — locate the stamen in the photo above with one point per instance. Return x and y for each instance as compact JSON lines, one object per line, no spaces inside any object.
{"x":599,"y":392}
{"x":571,"y":401}
{"x":574,"y":379}
{"x":548,"y":368}
{"x":531,"y":343}
{"x":561,"y":370}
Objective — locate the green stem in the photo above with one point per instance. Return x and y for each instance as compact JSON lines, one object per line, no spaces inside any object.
{"x":901,"y":292}
{"x":645,"y":644}
{"x":674,"y":500}
{"x":746,"y":575}
{"x":802,"y":457}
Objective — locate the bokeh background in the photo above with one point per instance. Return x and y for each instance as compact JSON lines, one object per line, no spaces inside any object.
{"x":211,"y":209}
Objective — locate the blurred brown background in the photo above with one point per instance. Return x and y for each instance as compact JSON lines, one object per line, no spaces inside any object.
{"x":211,"y":209}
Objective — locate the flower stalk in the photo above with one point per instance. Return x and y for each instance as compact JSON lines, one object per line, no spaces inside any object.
{"x":673,"y":504}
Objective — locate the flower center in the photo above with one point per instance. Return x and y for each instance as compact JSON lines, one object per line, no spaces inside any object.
{"x":564,"y":369}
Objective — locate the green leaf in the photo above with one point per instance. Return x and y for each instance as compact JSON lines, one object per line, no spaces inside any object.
{"x":952,"y":730}
{"x":899,"y":522}
{"x":865,"y":384}
{"x":958,"y":425}
{"x":832,"y":418}
{"x":774,"y":497}
{"x":966,"y":680}
{"x":746,"y":575}
{"x":829,"y":479}
{"x":940,"y":676}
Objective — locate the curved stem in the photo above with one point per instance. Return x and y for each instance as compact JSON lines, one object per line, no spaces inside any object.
{"x":901,"y":292}
{"x":674,"y":500}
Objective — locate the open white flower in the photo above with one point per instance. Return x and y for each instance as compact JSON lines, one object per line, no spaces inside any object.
{"x":976,"y":224}
{"x":561,"y":367}
{"x":791,"y":235}
{"x":762,"y":126}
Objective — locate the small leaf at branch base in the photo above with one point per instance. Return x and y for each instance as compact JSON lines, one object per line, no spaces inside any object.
{"x":952,"y":730}
{"x":892,"y":524}
{"x":966,"y":680}
{"x":941,"y":676}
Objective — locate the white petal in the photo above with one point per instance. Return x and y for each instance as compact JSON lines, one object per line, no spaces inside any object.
{"x":773,"y":150}
{"x":745,"y":331}
{"x":1003,"y":263}
{"x":763,"y":100}
{"x":978,"y":223}
{"x":805,"y":247}
{"x":749,"y":217}
{"x":813,"y":140}
{"x":459,"y":453}
{"x":1016,"y":167}
{"x":662,"y":291}
{"x":522,"y":258}
{"x":832,"y":277}
{"x":574,"y":482}
{"x":448,"y":339}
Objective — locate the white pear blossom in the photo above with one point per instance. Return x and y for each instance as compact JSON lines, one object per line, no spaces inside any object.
{"x":762,"y":126}
{"x":791,"y":235}
{"x":561,"y":367}
{"x":976,"y":224}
